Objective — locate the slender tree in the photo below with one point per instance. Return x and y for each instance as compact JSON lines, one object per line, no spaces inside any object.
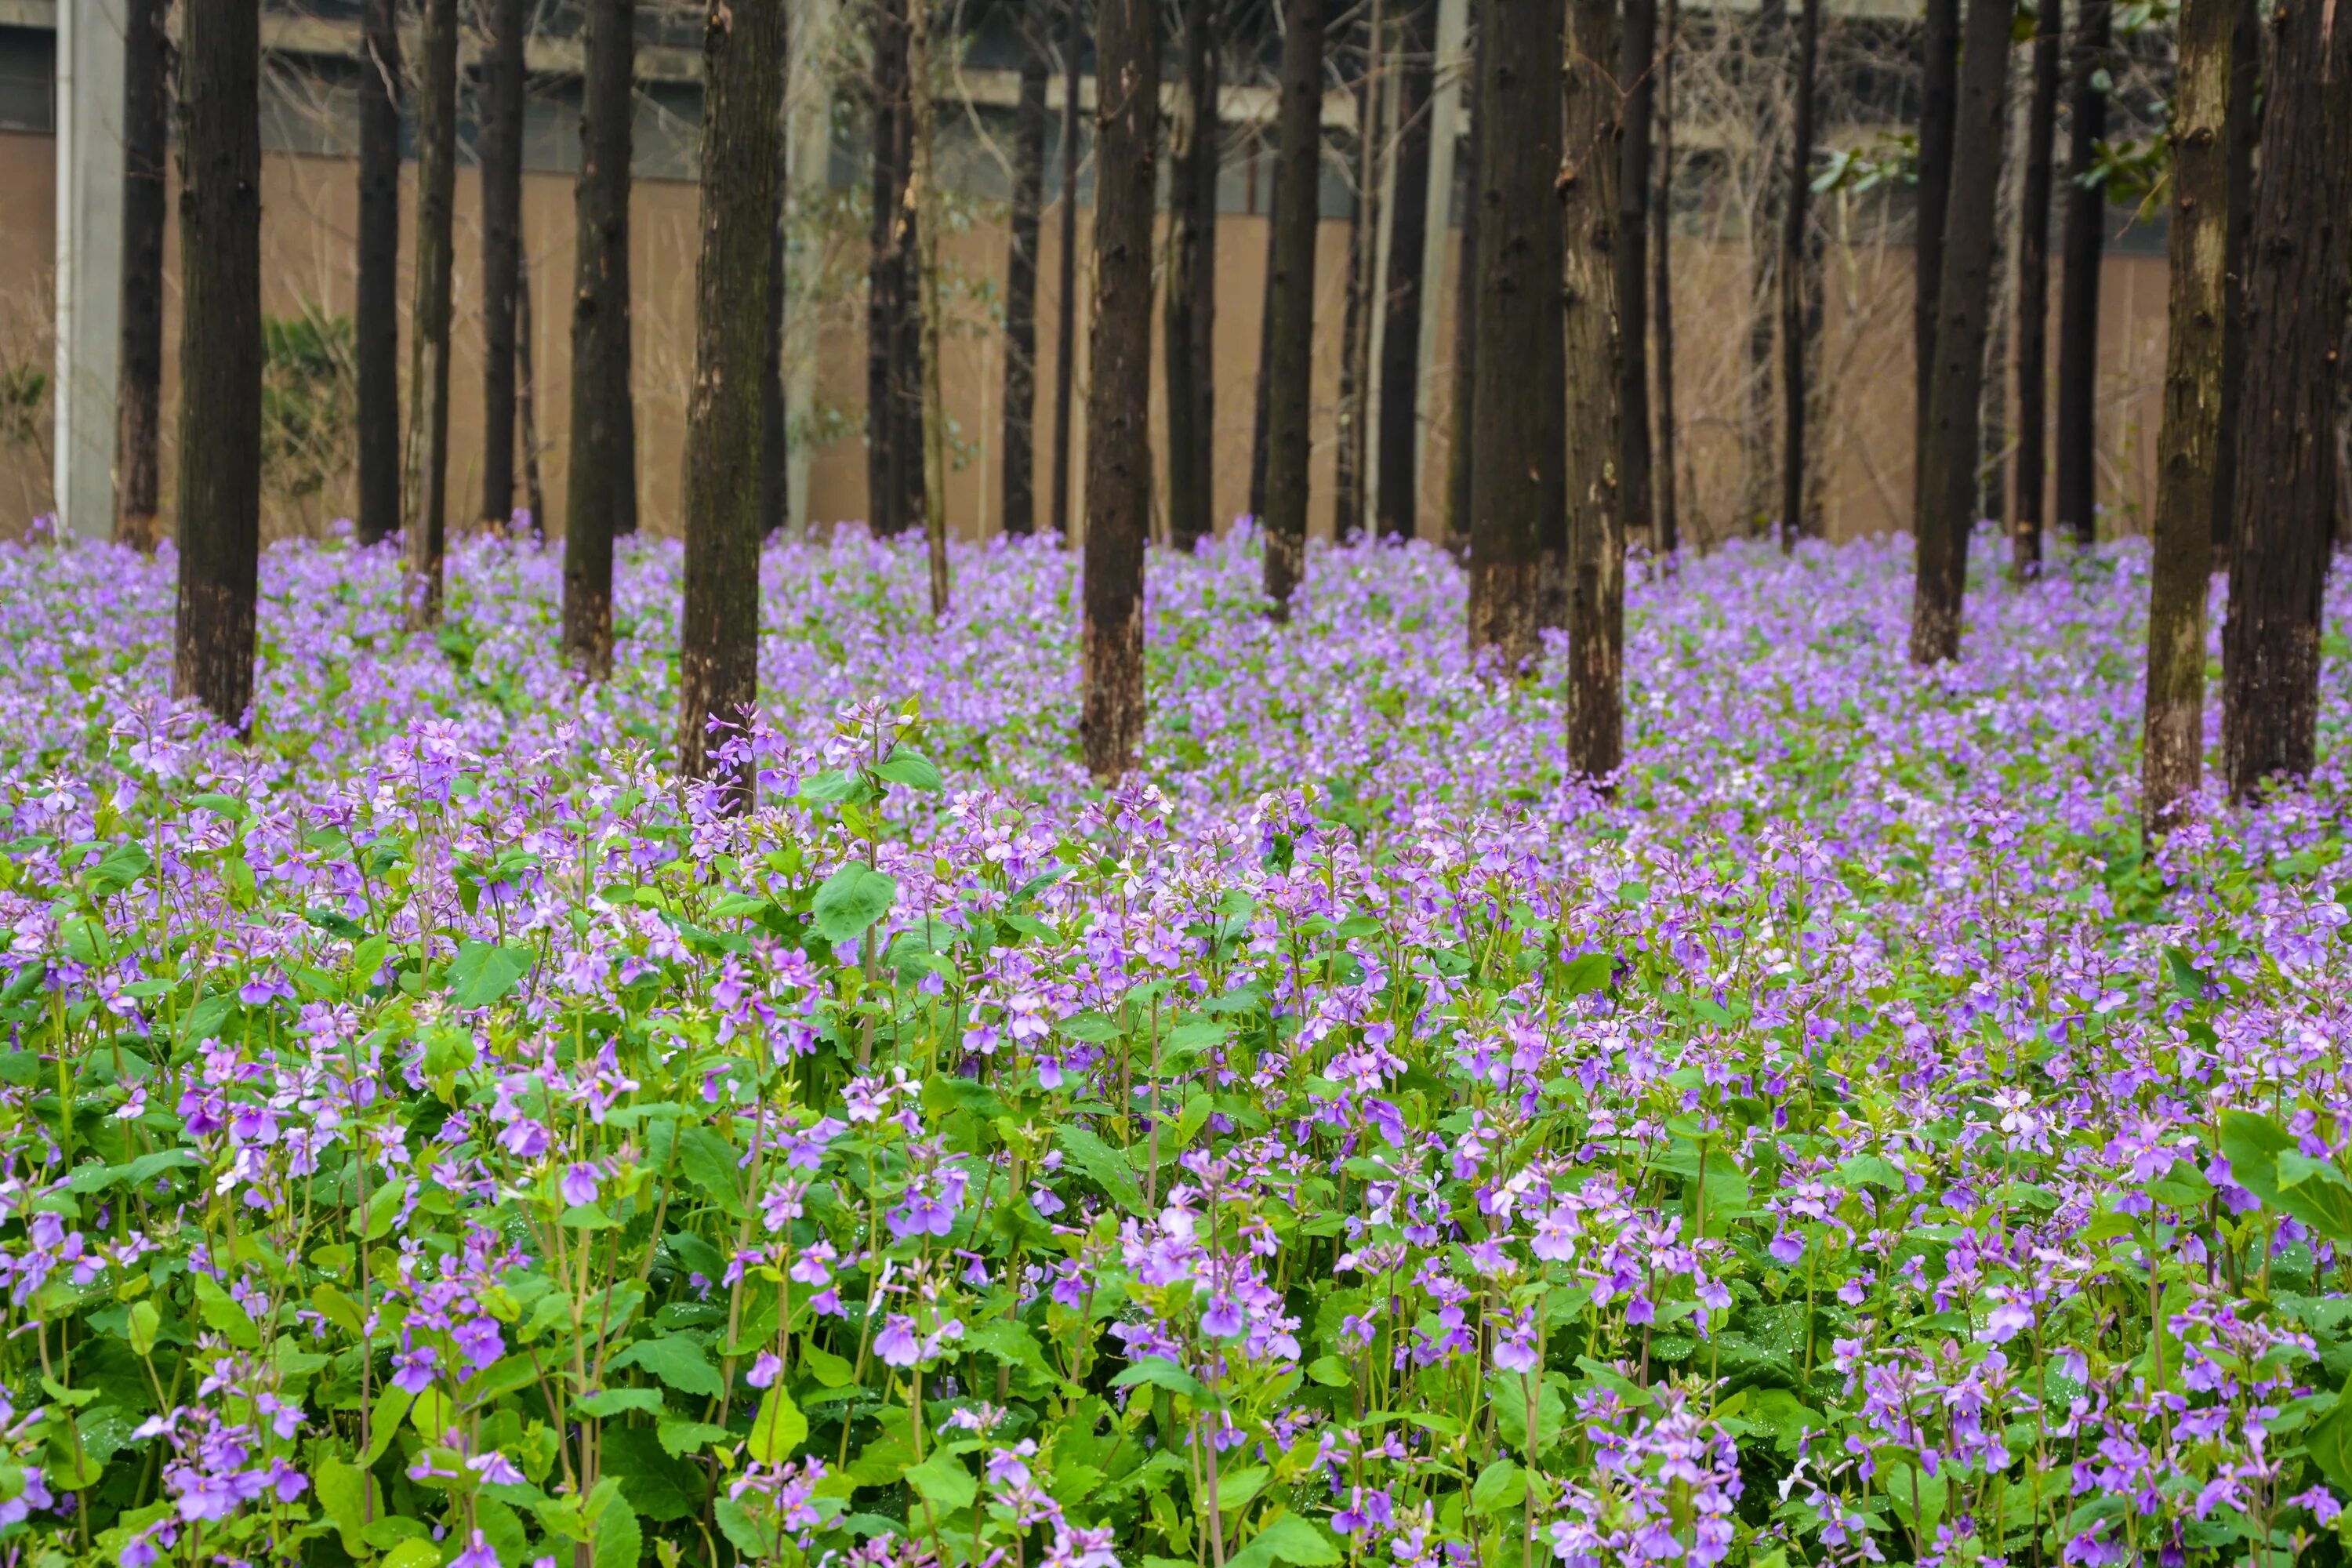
{"x":376,"y":306}
{"x":1066,"y":320}
{"x":1018,"y":471}
{"x":887,"y":295}
{"x":1397,"y":505}
{"x":1637,"y":79}
{"x":1662,"y":291}
{"x":218,"y":514}
{"x":2172,"y":758}
{"x":602,"y":503}
{"x":923,"y":207}
{"x":1795,"y":293}
{"x":1118,"y":389}
{"x":1189,"y":311}
{"x":1768,"y":91}
{"x":2245,"y":121}
{"x":138,"y":400}
{"x":1595,"y":538}
{"x":2032,"y":332}
{"x":1938,"y":89}
{"x":1516,"y":449}
{"x":1949,"y":462}
{"x":1291,"y":298}
{"x":718,"y":644}
{"x":2078,"y":281}
{"x":1352,"y":458}
{"x":527,"y":402}
{"x":1262,"y":417}
{"x":501,"y":256}
{"x":2285,"y":417}
{"x":1463,"y":413}
{"x":428,"y":377}
{"x":775,"y":453}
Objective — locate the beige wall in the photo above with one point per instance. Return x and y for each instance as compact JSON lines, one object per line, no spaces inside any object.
{"x":309,"y":213}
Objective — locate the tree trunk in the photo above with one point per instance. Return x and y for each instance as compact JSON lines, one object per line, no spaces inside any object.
{"x":2285,"y":421}
{"x":923,"y":206}
{"x":1119,"y":387}
{"x":1465,"y":337}
{"x":1019,"y":503}
{"x":1769,"y":93}
{"x":1637,"y":61}
{"x":2244,"y":122}
{"x":1662,"y":276}
{"x":718,"y":644}
{"x":139,"y":400}
{"x":428,"y":373}
{"x":775,"y":449}
{"x":1938,"y":88}
{"x":2032,"y":330}
{"x":1066,"y":350}
{"x":1595,"y":537}
{"x":2078,"y":284}
{"x":1352,"y":458}
{"x":1262,"y":419}
{"x":1192,"y":278}
{"x":1291,"y":299}
{"x":1397,"y":505}
{"x":1517,"y":443}
{"x":2172,"y":758}
{"x":376,"y":306}
{"x":603,"y":495}
{"x":501,"y":256}
{"x":1972,"y":230}
{"x":1795,"y":274}
{"x":887,"y":296}
{"x":527,"y":402}
{"x":219,"y":505}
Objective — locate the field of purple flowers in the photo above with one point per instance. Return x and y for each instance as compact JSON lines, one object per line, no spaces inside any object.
{"x":431,"y":1136}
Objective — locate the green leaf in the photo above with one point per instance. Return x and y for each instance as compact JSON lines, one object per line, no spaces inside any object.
{"x":680,"y":1439}
{"x":482,"y":973}
{"x":144,"y":1322}
{"x":834,"y":1372}
{"x":1510,"y":1393}
{"x":1589,"y":971}
{"x":2251,"y":1143}
{"x":2315,"y":1192}
{"x":383,"y":1422}
{"x":851,"y":899}
{"x":657,"y":1485}
{"x":752,"y":1540}
{"x":1235,"y":1487}
{"x":1501,"y":1485}
{"x":225,"y":1318}
{"x":679,"y":1360}
{"x":914,"y":771}
{"x":619,"y":1540}
{"x":779,"y":1428}
{"x":1160,"y":1373}
{"x":1106,"y":1164}
{"x":613,"y":1401}
{"x":412,"y":1553}
{"x":708,"y":1161}
{"x":1329,"y":1371}
{"x":1286,"y":1537}
{"x":2329,"y":1442}
{"x":943,"y":1482}
{"x":343,"y":1493}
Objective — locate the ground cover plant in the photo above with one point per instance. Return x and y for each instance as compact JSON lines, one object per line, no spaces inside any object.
{"x":432,"y":1135}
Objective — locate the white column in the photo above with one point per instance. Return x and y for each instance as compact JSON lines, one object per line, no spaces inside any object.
{"x":808,"y":89}
{"x":89,"y":262}
{"x":1445,"y":109}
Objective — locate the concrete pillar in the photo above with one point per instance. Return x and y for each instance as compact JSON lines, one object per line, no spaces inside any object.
{"x":89,"y":48}
{"x":1448,"y":99}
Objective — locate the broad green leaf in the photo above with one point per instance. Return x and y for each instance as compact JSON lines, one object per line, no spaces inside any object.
{"x":1501,"y":1485}
{"x":482,"y":973}
{"x":344,"y":1494}
{"x":1589,"y":971}
{"x":1160,"y":1373}
{"x":912,"y":769}
{"x":613,"y":1401}
{"x":1510,"y":1392}
{"x":1235,"y":1487}
{"x":1106,"y":1164}
{"x":943,"y":1482}
{"x":412,"y":1553}
{"x":677,"y":1361}
{"x":851,"y":899}
{"x":222,"y":1313}
{"x":779,"y":1428}
{"x":2315,"y":1192}
{"x":619,"y":1540}
{"x":1286,"y":1537}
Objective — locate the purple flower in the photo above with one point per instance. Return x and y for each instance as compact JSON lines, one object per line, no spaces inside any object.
{"x":579,"y":1186}
{"x":764,"y":1370}
{"x":412,"y":1370}
{"x":896,"y":1344}
{"x":1787,"y":1247}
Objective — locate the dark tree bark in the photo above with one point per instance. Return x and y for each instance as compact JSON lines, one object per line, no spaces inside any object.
{"x":1595,"y":564}
{"x":376,"y":310}
{"x":718,"y":643}
{"x":888,"y":504}
{"x":1019,"y":472}
{"x":2172,"y":755}
{"x":428,"y":373}
{"x":1397,"y":505}
{"x":219,"y":505}
{"x":1463,"y":414}
{"x":501,"y":256}
{"x":527,"y":403}
{"x":1662,"y":294}
{"x":1261,"y":421}
{"x":1118,"y":389}
{"x":602,"y":503}
{"x":1949,"y":462}
{"x":1637,"y":57}
{"x":775,"y":452}
{"x":1518,"y":441}
{"x":2078,"y":284}
{"x":1190,"y":309}
{"x":2031,"y":331}
{"x":1290,"y":299}
{"x":1350,"y":461}
{"x":138,"y":400}
{"x":1066,"y":342}
{"x":2244,"y":123}
{"x":1796,"y":295}
{"x":930,"y":420}
{"x":1767,"y":104}
{"x":2285,"y":419}
{"x":1939,"y":87}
